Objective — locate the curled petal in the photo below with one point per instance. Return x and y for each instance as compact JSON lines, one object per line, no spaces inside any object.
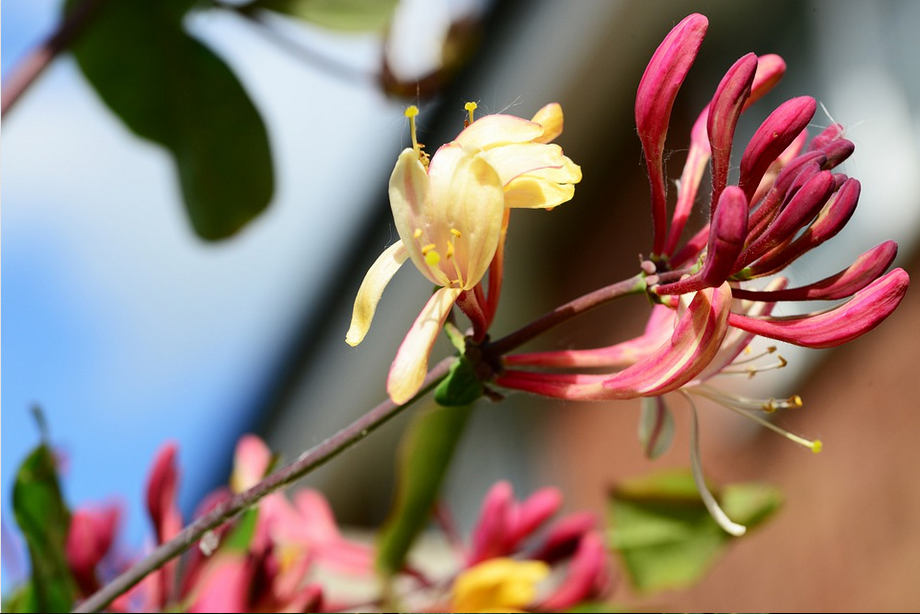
{"x":727,"y":232}
{"x":532,"y":192}
{"x":656,"y":427}
{"x":376,"y":279}
{"x":694,"y":342}
{"x":531,"y":513}
{"x":511,"y":161}
{"x":774,"y":135}
{"x":659,"y":328}
{"x":495,"y":130}
{"x":550,"y":117}
{"x":564,"y":536}
{"x":724,"y":111}
{"x":658,"y":88}
{"x":411,"y":363}
{"x":847,"y":282}
{"x":836,"y":326}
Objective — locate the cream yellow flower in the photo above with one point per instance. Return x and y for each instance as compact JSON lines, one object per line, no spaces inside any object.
{"x":498,"y":585}
{"x":449,"y":214}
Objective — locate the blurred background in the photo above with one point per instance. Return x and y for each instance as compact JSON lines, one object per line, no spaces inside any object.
{"x":129,"y":330}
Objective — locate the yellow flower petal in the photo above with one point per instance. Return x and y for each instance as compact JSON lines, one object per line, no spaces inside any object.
{"x":550,"y":117}
{"x":510,"y":161}
{"x":494,"y":130}
{"x":409,"y":197}
{"x":532,"y":192}
{"x":411,"y":363}
{"x":498,"y":585}
{"x":375,"y":280}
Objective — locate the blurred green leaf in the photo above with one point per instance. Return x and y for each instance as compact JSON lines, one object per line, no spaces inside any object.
{"x":169,"y":88}
{"x":44,"y":520}
{"x":460,"y":387}
{"x":424,"y":456}
{"x":346,"y":15}
{"x":240,"y":535}
{"x":664,"y":534}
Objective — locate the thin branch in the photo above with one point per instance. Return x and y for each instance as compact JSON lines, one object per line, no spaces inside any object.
{"x":28,"y":70}
{"x":633,"y":285}
{"x":309,"y":460}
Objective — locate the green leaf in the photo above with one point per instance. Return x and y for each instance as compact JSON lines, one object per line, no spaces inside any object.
{"x":664,"y":534}
{"x":44,"y":520}
{"x":170,"y":89}
{"x":460,"y":387}
{"x":424,"y":456}
{"x":346,"y":15}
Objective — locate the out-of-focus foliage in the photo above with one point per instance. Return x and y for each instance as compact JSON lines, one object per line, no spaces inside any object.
{"x":346,"y":15}
{"x":664,"y":534}
{"x":44,"y":520}
{"x":171,"y":89}
{"x":424,"y":456}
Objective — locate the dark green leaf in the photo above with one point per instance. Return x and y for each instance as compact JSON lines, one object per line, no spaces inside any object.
{"x":169,"y":88}
{"x":424,"y":456}
{"x":347,"y":15}
{"x":664,"y":533}
{"x":240,"y":536}
{"x":460,"y":387}
{"x":44,"y":520}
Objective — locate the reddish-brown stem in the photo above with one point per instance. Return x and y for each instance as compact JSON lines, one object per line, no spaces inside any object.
{"x":38,"y":59}
{"x":308,"y":461}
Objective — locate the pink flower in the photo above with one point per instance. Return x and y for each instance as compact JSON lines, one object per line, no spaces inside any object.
{"x":92,"y":532}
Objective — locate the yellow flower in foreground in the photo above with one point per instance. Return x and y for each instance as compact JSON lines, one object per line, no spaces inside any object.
{"x":449,"y":213}
{"x":498,"y":585}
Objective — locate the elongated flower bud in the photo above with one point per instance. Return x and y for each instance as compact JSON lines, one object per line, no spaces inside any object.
{"x":727,"y":232}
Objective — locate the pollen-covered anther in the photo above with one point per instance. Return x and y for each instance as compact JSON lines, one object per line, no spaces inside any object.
{"x":410,"y":112}
{"x":417,"y":234}
{"x":456,"y":232}
{"x":470,"y":108}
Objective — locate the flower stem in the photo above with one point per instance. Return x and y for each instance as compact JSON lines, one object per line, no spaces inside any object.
{"x":578,"y":306}
{"x":305,"y":463}
{"x":38,"y":59}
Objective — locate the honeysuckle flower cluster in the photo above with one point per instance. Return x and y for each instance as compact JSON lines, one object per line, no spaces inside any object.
{"x":451,"y":212}
{"x":280,"y":556}
{"x":787,"y":201}
{"x":506,"y":572}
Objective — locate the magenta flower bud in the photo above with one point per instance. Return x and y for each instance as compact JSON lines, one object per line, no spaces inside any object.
{"x":587,"y":578}
{"x":489,"y":533}
{"x":799,"y":211}
{"x":727,"y":232}
{"x":770,"y":69}
{"x":836,"y":326}
{"x":563,"y":537}
{"x":864,"y":270}
{"x":654,"y":99}
{"x":724,"y":111}
{"x":773,"y":136}
{"x":161,"y":494}
{"x":826,"y":136}
{"x":89,"y":538}
{"x":530,"y":515}
{"x":831,"y":220}
{"x":837,"y":151}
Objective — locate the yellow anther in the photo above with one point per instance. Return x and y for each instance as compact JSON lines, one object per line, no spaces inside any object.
{"x":470,"y":107}
{"x":411,"y":111}
{"x":433,"y":258}
{"x":817,"y":446}
{"x":771,"y":349}
{"x":427,"y":248}
{"x":769,"y":406}
{"x":796,"y":401}
{"x":450,"y":250}
{"x":782,"y":361}
{"x":417,"y":233}
{"x":455,"y":232}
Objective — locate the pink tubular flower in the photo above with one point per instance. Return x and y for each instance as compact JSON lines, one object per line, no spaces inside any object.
{"x":91,"y":534}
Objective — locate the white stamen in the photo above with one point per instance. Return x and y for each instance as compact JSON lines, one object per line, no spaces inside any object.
{"x":696,"y":467}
